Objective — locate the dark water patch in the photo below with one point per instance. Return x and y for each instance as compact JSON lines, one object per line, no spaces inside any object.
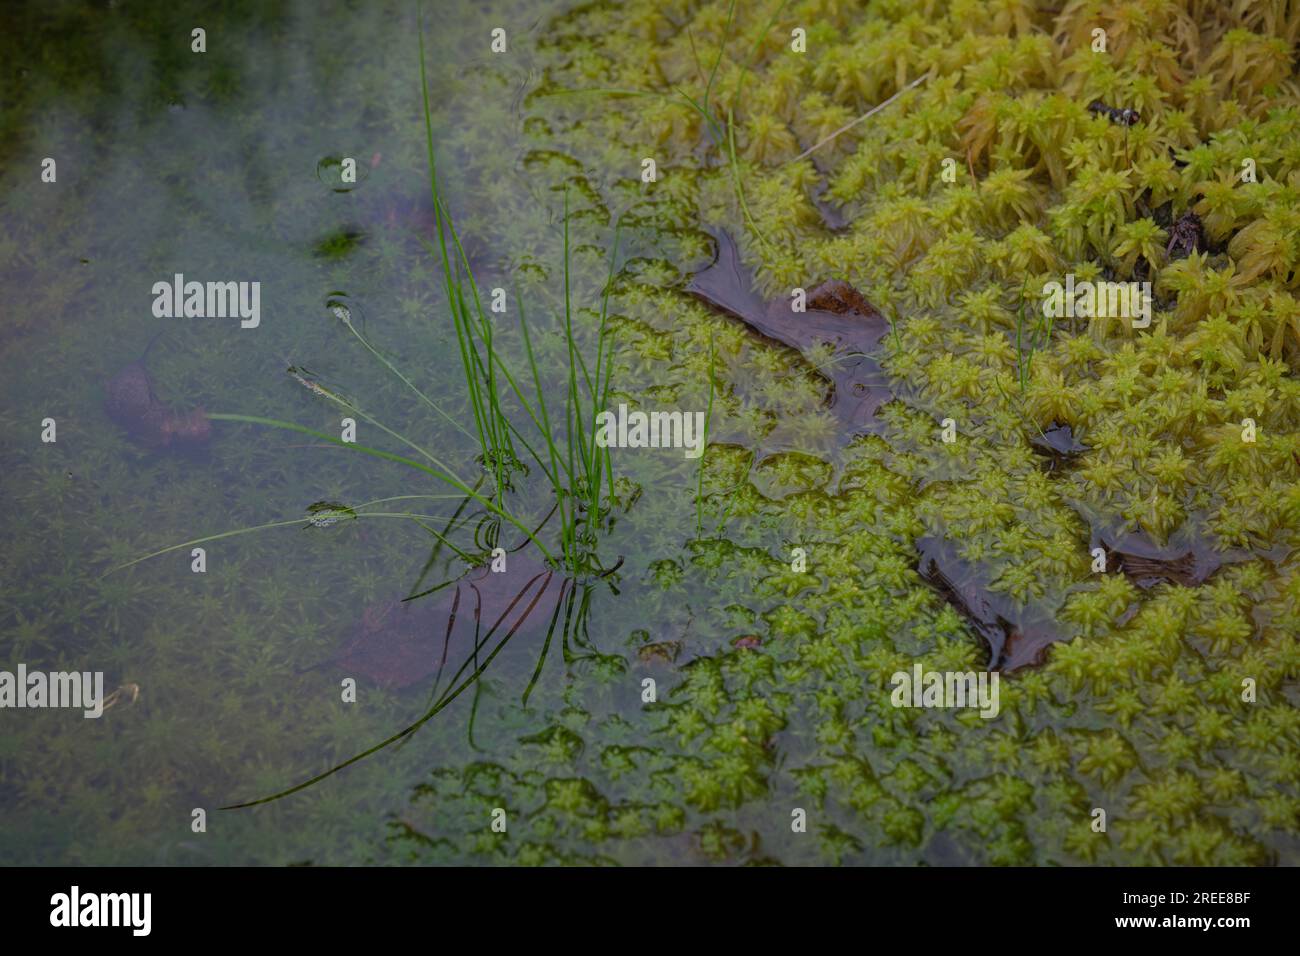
{"x":838,"y":316}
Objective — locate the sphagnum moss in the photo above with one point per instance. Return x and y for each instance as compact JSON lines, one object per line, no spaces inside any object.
{"x":1139,"y":710}
{"x":1061,"y":190}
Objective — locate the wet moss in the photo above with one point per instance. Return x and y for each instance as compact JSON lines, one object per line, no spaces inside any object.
{"x":1138,"y":710}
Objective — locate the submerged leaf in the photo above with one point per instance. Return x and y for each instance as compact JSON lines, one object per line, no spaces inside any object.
{"x":838,"y":317}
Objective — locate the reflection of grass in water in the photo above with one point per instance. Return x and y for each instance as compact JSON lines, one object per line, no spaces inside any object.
{"x":575,"y":466}
{"x":460,"y":681}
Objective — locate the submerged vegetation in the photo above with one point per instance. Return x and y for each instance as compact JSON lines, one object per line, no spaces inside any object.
{"x":772,"y":684}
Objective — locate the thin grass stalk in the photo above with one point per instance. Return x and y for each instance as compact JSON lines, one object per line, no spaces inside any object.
{"x":352,"y":408}
{"x":406,"y":381}
{"x":448,"y":696}
{"x":600,"y":399}
{"x":389,"y":456}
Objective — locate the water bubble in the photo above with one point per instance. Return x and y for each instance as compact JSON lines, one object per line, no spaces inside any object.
{"x":331,"y":172}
